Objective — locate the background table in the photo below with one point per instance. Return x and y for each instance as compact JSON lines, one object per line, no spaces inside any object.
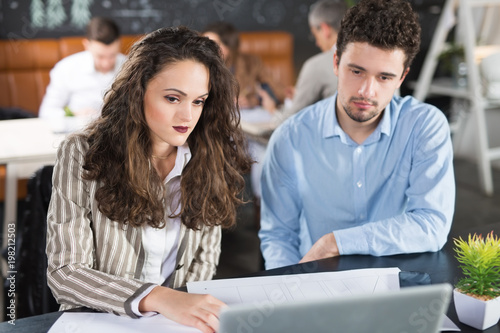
{"x":441,"y":267}
{"x":25,"y":145}
{"x":24,"y":142}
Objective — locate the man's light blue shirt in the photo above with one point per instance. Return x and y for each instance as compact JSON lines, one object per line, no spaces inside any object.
{"x":394,"y":193}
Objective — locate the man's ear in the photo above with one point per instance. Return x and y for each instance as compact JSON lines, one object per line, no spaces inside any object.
{"x":326,"y":30}
{"x":407,"y":70}
{"x":336,"y":61}
{"x":86,"y":43}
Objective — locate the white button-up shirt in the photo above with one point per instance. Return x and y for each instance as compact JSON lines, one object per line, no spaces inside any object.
{"x":74,"y":82}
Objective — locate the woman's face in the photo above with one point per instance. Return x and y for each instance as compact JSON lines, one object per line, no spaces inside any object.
{"x":224,"y":49}
{"x":173,"y":103}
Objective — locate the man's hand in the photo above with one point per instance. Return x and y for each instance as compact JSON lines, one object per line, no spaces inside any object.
{"x":325,"y":247}
{"x":85,"y":112}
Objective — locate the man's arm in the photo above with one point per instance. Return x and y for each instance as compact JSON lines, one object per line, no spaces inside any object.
{"x":56,"y":96}
{"x":280,"y":205}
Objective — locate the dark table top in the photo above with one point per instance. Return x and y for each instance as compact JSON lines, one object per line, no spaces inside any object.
{"x":440,"y":266}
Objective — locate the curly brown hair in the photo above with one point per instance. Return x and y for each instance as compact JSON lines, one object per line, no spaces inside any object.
{"x":131,"y":191}
{"x":386,"y":24}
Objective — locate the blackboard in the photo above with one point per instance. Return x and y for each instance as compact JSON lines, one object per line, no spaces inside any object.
{"x":55,"y":18}
{"x":21,"y":19}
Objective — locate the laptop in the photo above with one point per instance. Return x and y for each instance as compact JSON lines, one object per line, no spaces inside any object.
{"x":408,"y":310}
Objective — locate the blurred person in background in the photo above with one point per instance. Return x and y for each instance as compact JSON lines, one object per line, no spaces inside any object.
{"x":316,"y":79}
{"x":79,"y":81}
{"x":247,"y":68}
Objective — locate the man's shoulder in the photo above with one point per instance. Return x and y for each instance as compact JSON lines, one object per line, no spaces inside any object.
{"x":411,"y":104}
{"x":409,"y":109}
{"x":319,"y":60}
{"x":312,"y":114}
{"x":75,"y":59}
{"x":305,"y":126}
{"x":76,"y":56}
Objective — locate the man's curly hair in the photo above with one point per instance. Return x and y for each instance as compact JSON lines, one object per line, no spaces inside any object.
{"x":386,"y":24}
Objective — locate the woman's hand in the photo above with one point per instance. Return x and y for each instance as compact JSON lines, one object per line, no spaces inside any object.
{"x":268,"y":102}
{"x":195,"y":310}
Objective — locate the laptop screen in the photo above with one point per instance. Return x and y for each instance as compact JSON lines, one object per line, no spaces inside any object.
{"x":411,"y":309}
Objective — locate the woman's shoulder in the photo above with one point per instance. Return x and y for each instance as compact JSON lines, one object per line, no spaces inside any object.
{"x":73,"y":143}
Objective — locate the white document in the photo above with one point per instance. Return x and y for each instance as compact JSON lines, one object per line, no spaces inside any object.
{"x":85,"y":322}
{"x":287,"y":288}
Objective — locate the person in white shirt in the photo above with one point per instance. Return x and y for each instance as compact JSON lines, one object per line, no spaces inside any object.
{"x":80,"y":80}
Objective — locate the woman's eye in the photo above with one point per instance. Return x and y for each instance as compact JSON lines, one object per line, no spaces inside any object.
{"x":199,"y":102}
{"x":171,"y":99}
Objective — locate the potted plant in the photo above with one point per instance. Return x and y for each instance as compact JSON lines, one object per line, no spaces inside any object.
{"x":477,"y":294}
{"x":452,"y":60}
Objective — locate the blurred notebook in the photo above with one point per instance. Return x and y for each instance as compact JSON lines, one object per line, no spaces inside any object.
{"x":411,"y":309}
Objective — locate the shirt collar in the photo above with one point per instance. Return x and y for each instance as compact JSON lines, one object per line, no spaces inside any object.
{"x":89,"y":67}
{"x":181,"y":160}
{"x":385,"y":124}
{"x":332,"y":127}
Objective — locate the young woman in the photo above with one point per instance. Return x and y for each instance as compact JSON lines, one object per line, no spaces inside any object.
{"x":139,"y":198}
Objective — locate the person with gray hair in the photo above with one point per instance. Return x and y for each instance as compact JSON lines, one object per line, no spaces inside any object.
{"x":324,"y":21}
{"x":316,"y":79}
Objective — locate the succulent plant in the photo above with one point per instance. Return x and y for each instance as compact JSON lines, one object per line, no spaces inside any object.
{"x":479,"y":260}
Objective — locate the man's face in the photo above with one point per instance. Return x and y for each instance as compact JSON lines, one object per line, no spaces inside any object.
{"x":320,"y":34}
{"x":104,"y":55}
{"x":367,"y":79}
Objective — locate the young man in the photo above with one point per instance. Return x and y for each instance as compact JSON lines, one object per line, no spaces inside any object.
{"x":362,"y":172}
{"x":80,"y":80}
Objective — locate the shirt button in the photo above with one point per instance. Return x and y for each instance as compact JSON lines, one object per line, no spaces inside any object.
{"x":359,"y":184}
{"x":358,"y":150}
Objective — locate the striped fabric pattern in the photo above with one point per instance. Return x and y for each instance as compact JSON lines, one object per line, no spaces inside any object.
{"x":95,"y":262}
